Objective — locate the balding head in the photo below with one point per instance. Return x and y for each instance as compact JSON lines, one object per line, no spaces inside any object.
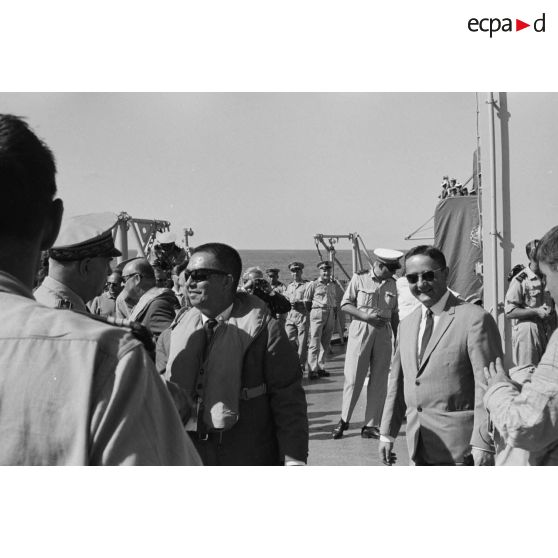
{"x":139,"y":277}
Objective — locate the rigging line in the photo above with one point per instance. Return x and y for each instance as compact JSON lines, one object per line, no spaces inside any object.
{"x":318,"y":249}
{"x":408,"y":237}
{"x":477,"y":170}
{"x":366,"y":253}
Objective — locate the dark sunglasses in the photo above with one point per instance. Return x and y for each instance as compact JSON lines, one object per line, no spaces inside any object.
{"x":126,"y":277}
{"x":197,"y":275}
{"x":425,"y":275}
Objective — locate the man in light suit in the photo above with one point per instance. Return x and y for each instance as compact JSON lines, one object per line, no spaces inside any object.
{"x":436,"y":376}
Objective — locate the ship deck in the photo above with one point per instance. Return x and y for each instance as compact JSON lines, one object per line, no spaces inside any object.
{"x":324,"y":397}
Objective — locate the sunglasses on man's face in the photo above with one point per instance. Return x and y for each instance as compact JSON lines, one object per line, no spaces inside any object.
{"x":425,"y":276}
{"x":126,"y":277}
{"x":197,"y":275}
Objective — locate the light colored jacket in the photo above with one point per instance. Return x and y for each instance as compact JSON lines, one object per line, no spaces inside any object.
{"x":74,"y":391}
{"x":527,"y":417}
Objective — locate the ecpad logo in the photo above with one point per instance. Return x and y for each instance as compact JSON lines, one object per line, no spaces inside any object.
{"x":494,"y":24}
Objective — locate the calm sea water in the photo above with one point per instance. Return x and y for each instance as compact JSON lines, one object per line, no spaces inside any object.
{"x":281,"y":259}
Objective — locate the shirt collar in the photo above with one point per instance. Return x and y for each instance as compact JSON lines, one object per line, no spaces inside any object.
{"x":62,"y":289}
{"x":437,"y":308}
{"x":374,"y":278}
{"x":222,"y":317}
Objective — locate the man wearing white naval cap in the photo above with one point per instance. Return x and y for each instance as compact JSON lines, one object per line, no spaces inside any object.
{"x":371,"y":300}
{"x":79,"y":262}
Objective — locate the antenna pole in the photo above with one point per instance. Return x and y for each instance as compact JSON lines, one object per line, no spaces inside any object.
{"x":493,"y":223}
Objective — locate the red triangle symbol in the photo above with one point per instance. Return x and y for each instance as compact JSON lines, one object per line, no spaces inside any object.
{"x":519,"y":25}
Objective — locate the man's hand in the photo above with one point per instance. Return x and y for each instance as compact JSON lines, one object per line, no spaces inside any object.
{"x":481,"y":457}
{"x":543,"y":311}
{"x":495,"y":373}
{"x":387,"y":456}
{"x":376,"y":320}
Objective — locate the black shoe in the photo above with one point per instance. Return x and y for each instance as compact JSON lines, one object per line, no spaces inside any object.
{"x":323,"y":373}
{"x":337,"y":432}
{"x":313,"y":376}
{"x":370,"y":432}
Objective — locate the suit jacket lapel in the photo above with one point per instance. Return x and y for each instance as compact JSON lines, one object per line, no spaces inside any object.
{"x":441,"y":327}
{"x":412,"y":323}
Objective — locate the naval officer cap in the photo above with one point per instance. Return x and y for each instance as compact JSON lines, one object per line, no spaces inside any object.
{"x":296,"y":265}
{"x":272,"y":270}
{"x":86,"y":236}
{"x":324,"y":265}
{"x":388,"y":257}
{"x":165,"y":237}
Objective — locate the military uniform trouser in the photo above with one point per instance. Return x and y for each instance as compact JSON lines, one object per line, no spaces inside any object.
{"x":368,"y":348}
{"x":528,"y":343}
{"x":296,"y":327}
{"x":321,"y":329}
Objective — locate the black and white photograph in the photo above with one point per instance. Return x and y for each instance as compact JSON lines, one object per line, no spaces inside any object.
{"x":316,"y":224}
{"x":236,"y":238}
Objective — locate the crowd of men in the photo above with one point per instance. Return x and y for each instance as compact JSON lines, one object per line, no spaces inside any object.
{"x":451,"y":188}
{"x":184,"y":359}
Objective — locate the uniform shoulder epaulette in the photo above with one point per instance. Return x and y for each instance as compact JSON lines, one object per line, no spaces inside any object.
{"x":514,"y":271}
{"x":138,"y":330}
{"x":521,"y":276}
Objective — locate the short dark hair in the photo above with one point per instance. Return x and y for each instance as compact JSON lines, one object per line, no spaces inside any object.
{"x":27,"y":179}
{"x":179,"y":268}
{"x":531,"y":249}
{"x":227,"y":255}
{"x":547,"y":250}
{"x":428,"y":250}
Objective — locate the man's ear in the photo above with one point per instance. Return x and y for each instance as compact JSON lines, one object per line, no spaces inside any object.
{"x":229,"y":281}
{"x":83,"y":266}
{"x":52,"y":223}
{"x":445,"y":273}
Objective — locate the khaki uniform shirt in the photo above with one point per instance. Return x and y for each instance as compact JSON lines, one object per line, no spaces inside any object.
{"x":54,"y":294}
{"x":295,"y":291}
{"x":365,"y":291}
{"x":320,"y":294}
{"x":526,"y":290}
{"x":75,"y":391}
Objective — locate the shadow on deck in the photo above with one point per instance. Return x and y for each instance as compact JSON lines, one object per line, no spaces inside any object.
{"x":324,"y":398}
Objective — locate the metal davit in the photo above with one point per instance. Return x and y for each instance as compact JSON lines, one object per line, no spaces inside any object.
{"x":358,"y":248}
{"x":144,"y":233}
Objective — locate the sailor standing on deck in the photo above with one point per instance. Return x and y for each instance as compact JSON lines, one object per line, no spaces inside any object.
{"x":319,"y":298}
{"x":371,"y":299}
{"x":297,"y":322}
{"x":277,"y":287}
{"x":79,"y":263}
{"x":530,"y":310}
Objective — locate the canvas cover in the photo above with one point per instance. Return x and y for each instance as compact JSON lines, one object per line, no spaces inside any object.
{"x":457,"y":234}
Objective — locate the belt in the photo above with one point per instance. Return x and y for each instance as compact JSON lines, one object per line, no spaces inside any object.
{"x":322,"y":307}
{"x":250,"y":393}
{"x":214,"y":435}
{"x":245,"y":394}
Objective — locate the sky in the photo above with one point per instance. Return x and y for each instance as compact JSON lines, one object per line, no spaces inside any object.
{"x":270,"y":170}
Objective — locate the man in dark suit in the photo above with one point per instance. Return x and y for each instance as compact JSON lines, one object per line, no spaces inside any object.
{"x":436,"y":376}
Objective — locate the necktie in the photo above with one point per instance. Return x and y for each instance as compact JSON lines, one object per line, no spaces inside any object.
{"x":427,"y":333}
{"x":209,"y":330}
